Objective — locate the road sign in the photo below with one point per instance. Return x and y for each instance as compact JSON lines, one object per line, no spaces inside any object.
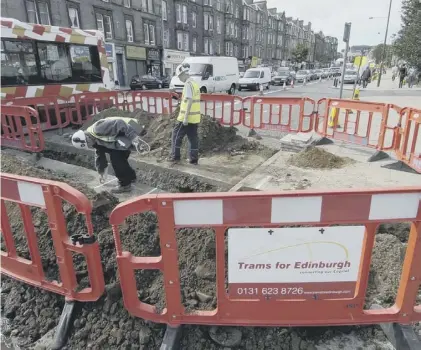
{"x":294,"y":263}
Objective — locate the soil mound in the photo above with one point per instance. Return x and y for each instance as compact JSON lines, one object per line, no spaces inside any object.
{"x":213,"y":138}
{"x":318,"y":158}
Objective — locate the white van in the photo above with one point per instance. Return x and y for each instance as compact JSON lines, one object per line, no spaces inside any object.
{"x":213,"y":74}
{"x":255,"y":77}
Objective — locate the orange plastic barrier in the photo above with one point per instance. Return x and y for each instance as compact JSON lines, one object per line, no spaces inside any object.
{"x":361,"y":123}
{"x":53,"y":112}
{"x":86,"y":105}
{"x":284,"y":114}
{"x":408,"y":138}
{"x":268,"y":289}
{"x":30,"y":192}
{"x":21,"y":129}
{"x":227,"y":109}
{"x":154,"y":102}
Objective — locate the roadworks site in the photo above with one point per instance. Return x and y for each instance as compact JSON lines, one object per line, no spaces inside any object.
{"x":29,"y":315}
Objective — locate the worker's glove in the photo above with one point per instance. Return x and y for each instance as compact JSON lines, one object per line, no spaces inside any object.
{"x":103,"y":176}
{"x":185,"y":122}
{"x":140,"y":145}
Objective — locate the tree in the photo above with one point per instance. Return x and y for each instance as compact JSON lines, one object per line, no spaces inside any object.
{"x":300,"y":53}
{"x":407,"y":45}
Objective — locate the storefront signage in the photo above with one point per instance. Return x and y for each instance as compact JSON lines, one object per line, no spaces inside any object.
{"x":153,"y":55}
{"x":173,"y":56}
{"x":109,"y":50}
{"x":135,"y":53}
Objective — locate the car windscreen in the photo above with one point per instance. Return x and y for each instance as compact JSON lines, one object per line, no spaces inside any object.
{"x":350,"y":72}
{"x":282,"y":73}
{"x":302,"y":72}
{"x":197,"y":68}
{"x":252,"y":74}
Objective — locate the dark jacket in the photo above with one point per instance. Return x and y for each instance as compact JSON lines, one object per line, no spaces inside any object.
{"x":107,"y":132}
{"x":366,"y":74}
{"x":402,"y":71}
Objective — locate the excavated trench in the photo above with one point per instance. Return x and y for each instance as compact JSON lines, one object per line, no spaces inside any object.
{"x":106,"y":324}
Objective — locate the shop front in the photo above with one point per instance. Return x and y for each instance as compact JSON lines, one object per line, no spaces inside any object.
{"x":172,"y":59}
{"x":154,"y":62}
{"x":136,"y":61}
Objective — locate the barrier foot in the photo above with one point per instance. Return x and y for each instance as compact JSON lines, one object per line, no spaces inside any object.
{"x":253,"y":133}
{"x":64,"y":325}
{"x":402,"y":337}
{"x":323,"y":141}
{"x":172,"y":338}
{"x":379,"y":155}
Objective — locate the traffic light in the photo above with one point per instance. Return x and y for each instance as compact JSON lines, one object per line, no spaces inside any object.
{"x":347,"y":32}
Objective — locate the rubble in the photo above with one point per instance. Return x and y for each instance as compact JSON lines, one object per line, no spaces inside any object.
{"x":318,"y":158}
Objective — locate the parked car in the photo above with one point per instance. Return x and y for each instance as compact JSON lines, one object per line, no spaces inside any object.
{"x":319,"y":73}
{"x":281,"y":77}
{"x":301,"y":75}
{"x":351,"y":76}
{"x":313,"y":74}
{"x":165,"y":82}
{"x":326,"y":73}
{"x":145,"y":82}
{"x":336,"y":71}
{"x":254,"y":77}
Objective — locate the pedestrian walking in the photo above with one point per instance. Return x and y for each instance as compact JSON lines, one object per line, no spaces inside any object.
{"x":115,"y":136}
{"x":412,"y":77}
{"x":402,"y":75}
{"x":395,"y":70}
{"x":188,"y":118}
{"x":366,"y":76}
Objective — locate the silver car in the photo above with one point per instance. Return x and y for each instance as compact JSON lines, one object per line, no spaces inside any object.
{"x":301,"y":75}
{"x":351,"y":76}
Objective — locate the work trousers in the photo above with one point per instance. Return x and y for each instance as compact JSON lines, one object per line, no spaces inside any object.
{"x":401,"y":79}
{"x":178,"y":134}
{"x":119,"y":161}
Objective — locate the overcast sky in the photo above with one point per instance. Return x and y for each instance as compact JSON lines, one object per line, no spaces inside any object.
{"x":330,"y":16}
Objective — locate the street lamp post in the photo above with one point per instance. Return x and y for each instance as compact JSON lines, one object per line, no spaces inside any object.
{"x":384,"y":45}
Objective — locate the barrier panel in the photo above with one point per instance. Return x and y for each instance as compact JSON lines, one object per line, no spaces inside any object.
{"x":20,"y":128}
{"x":154,"y":102}
{"x":283,"y":114}
{"x":53,"y":112}
{"x":48,"y":195}
{"x":227,"y":109}
{"x":356,"y":122}
{"x":86,"y":105}
{"x":408,"y":138}
{"x":266,"y":288}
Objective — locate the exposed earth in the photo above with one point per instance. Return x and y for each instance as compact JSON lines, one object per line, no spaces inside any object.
{"x":106,"y":324}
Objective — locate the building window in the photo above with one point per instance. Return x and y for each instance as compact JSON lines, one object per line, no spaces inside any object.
{"x":103,"y":23}
{"x":218,"y":5}
{"x":144,"y":5}
{"x":210,"y":22}
{"x":164,"y":10}
{"x":146,"y":31}
{"x":127,"y":3}
{"x":207,"y":2}
{"x":184,"y":14}
{"x":186,"y":41}
{"x":206,"y":43}
{"x":232,"y":28}
{"x":105,"y":0}
{"x":210,"y":47}
{"x":178,"y":13}
{"x":180,"y":41}
{"x":150,"y":6}
{"x":236,"y":31}
{"x":194,"y":44}
{"x":38,"y":12}
{"x":152,"y":34}
{"x":237,"y":11}
{"x":74,"y":17}
{"x":193,"y":19}
{"x":129,"y":30}
{"x":166,"y":38}
{"x":218,"y":25}
{"x":218,"y":47}
{"x":206,"y":21}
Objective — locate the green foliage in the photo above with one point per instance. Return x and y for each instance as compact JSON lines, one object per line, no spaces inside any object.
{"x":300,"y":53}
{"x":408,"y":41}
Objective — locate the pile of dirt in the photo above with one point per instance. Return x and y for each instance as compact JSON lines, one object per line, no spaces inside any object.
{"x":213,"y":137}
{"x":318,"y":158}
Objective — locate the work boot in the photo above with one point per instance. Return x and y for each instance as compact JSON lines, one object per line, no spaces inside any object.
{"x":193,"y":162}
{"x":122,"y":189}
{"x":173,"y":161}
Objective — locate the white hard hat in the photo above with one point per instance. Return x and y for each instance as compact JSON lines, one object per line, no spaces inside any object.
{"x":79,"y":139}
{"x":182,"y":68}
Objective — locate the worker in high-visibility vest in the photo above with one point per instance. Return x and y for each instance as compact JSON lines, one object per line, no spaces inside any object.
{"x":188,"y":118}
{"x":115,"y":136}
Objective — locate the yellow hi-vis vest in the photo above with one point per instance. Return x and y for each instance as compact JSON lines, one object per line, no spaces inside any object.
{"x":194,"y":115}
{"x":112,"y":138}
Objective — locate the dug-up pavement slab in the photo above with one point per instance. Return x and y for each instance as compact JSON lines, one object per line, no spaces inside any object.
{"x":277,"y":174}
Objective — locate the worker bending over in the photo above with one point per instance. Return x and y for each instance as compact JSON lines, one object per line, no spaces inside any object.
{"x":189,"y":117}
{"x":115,"y":136}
